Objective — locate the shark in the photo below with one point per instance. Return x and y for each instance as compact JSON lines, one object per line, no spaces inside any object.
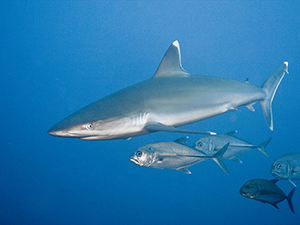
{"x":170,"y":99}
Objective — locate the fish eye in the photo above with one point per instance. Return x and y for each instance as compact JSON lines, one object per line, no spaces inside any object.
{"x":138,"y":153}
{"x":199,"y":144}
{"x":89,"y":126}
{"x":279,"y":166}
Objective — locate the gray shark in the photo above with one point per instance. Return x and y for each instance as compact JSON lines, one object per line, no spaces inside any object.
{"x":171,"y":98}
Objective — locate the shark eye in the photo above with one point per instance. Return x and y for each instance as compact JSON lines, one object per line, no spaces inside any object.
{"x":138,"y":153}
{"x":89,"y":126}
{"x":199,"y":144}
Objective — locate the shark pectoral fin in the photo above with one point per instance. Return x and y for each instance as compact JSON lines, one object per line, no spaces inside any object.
{"x":153,"y":127}
{"x":184,"y":170}
{"x":250,"y":106}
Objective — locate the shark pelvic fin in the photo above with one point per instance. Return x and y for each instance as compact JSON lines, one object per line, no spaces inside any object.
{"x":152,"y":127}
{"x":171,"y":63}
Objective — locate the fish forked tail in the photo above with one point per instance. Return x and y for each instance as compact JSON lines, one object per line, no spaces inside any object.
{"x":289,"y":199}
{"x":270,"y":86}
{"x":262,"y":147}
{"x":218,"y":158}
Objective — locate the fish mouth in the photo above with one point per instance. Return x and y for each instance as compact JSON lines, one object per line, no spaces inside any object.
{"x":134,"y":160}
{"x":245,"y":194}
{"x":275,"y":174}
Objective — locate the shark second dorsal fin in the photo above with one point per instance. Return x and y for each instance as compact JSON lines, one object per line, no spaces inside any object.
{"x":171,"y":63}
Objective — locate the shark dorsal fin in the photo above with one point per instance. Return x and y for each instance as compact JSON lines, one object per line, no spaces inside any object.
{"x":171,"y":63}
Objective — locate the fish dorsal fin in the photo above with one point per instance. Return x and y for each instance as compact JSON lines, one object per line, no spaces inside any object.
{"x":231,"y":133}
{"x":274,"y":181}
{"x":171,"y":63}
{"x":182,"y":140}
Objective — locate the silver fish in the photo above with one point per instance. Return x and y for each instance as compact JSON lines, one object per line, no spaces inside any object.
{"x":266,"y":191}
{"x":173,"y":155}
{"x":171,"y":98}
{"x":287,"y":167}
{"x":212,"y":144}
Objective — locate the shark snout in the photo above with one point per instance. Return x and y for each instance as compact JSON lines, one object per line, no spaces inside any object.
{"x":56,"y":132}
{"x":59,"y":130}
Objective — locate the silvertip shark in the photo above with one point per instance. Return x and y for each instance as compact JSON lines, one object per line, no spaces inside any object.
{"x":171,"y":98}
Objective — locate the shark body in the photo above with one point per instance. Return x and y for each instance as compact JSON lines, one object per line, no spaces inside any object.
{"x":171,"y":98}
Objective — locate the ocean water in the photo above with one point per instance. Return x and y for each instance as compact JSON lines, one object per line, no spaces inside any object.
{"x":58,"y":56}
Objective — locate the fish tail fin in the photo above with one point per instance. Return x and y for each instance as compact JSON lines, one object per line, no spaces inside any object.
{"x":289,"y":199}
{"x":218,"y":158}
{"x":270,"y":86}
{"x":262,"y":147}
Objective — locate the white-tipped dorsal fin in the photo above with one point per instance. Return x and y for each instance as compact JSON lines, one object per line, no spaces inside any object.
{"x":171,"y":63}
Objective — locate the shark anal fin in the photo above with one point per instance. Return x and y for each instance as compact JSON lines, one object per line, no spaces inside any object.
{"x":250,"y":106}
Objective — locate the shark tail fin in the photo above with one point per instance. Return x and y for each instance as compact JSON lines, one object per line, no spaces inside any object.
{"x":218,"y":158}
{"x":270,"y":86}
{"x":289,"y":199}
{"x":263,"y":145}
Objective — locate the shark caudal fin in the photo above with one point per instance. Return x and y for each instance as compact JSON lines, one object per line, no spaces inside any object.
{"x":270,"y":86}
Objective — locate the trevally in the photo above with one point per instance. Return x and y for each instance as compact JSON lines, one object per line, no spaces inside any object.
{"x":173,"y":155}
{"x":287,"y":167}
{"x":266,"y":191}
{"x":212,"y":144}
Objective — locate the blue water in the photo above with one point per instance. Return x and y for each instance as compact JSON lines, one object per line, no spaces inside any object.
{"x":58,"y":56}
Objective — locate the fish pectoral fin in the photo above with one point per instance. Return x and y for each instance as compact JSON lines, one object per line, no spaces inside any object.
{"x":292,"y":183}
{"x":153,"y":127}
{"x":184,"y":170}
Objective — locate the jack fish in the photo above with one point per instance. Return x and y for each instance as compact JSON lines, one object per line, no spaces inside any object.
{"x":173,"y":155}
{"x":287,"y":167}
{"x":266,"y":191}
{"x":212,"y":144}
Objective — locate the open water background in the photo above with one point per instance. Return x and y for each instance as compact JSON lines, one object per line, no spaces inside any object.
{"x":58,"y":56}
